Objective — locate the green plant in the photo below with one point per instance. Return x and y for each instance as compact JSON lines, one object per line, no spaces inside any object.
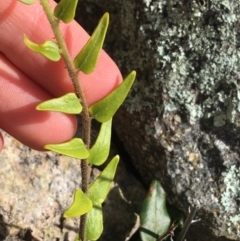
{"x":157,"y":222}
{"x":87,"y":203}
{"x":154,"y":218}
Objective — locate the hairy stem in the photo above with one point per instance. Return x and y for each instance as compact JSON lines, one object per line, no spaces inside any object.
{"x":86,"y":120}
{"x":62,"y":45}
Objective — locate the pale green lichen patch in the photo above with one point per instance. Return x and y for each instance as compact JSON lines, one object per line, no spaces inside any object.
{"x":230,"y":198}
{"x":196,"y":58}
{"x":234,"y":220}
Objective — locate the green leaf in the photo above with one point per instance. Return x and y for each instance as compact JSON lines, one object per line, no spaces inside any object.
{"x":65,"y":10}
{"x":28,"y":2}
{"x":94,"y":227}
{"x":154,"y":218}
{"x":49,"y":49}
{"x":81,"y":205}
{"x":99,"y":189}
{"x":68,"y":103}
{"x":86,"y":60}
{"x":100,"y":150}
{"x":77,"y":238}
{"x":73,"y":148}
{"x":104,"y":109}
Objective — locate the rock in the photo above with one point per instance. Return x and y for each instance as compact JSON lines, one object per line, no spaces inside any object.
{"x":36,"y":187}
{"x":22,"y":235}
{"x":180,"y":123}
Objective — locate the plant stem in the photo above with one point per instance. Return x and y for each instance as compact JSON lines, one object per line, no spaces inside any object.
{"x":86,"y":119}
{"x":62,"y":45}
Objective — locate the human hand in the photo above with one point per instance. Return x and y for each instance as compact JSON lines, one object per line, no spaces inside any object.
{"x":27,"y":78}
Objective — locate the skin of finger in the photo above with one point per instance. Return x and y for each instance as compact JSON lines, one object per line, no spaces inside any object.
{"x":18,"y":114}
{"x":51,"y":76}
{"x":17,"y":19}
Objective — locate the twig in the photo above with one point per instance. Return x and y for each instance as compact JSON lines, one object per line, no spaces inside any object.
{"x":170,"y":232}
{"x":187,"y":224}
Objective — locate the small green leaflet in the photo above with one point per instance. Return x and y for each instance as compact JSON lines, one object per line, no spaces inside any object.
{"x":49,"y":49}
{"x":28,"y":2}
{"x":65,"y":10}
{"x":81,"y":205}
{"x":87,"y":58}
{"x":97,"y":193}
{"x":104,"y":109}
{"x":154,"y":218}
{"x":99,"y":189}
{"x":100,"y":150}
{"x":74,"y":148}
{"x":68,"y":103}
{"x":94,"y":227}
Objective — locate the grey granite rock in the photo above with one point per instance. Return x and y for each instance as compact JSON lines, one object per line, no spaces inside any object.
{"x":180,"y":123}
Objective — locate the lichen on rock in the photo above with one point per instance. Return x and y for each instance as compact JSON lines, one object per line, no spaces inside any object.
{"x":230,"y":198}
{"x":181,"y":122}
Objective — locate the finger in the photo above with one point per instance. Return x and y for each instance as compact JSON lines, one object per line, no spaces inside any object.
{"x":18,"y":116}
{"x":17,"y":19}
